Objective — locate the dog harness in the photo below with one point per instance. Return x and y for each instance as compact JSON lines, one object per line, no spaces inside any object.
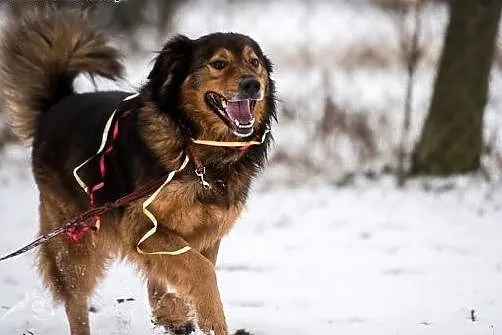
{"x":110,"y":134}
{"x":77,"y":227}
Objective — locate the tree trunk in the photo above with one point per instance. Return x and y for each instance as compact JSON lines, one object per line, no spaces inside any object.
{"x":452,"y":138}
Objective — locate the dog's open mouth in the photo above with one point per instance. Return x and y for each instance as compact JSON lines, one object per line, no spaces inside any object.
{"x":237,"y":114}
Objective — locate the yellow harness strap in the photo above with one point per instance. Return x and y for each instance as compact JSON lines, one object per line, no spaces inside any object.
{"x":232,"y":144}
{"x":152,"y":218}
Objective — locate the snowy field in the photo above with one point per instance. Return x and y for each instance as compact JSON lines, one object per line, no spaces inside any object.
{"x":311,"y":258}
{"x":365,"y":259}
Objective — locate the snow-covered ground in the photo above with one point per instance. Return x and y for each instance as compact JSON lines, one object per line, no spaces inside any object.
{"x":364,"y":259}
{"x":311,"y":259}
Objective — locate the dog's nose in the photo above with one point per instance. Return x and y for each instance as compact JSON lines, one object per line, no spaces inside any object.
{"x":249,"y":88}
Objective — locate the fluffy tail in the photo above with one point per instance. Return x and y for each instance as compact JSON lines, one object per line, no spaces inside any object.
{"x":41,"y":54}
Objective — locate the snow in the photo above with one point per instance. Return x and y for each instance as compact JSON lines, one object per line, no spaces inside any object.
{"x":356,"y":260}
{"x":308,"y":257}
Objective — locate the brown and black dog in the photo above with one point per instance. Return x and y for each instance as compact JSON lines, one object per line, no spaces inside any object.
{"x":216,"y":87}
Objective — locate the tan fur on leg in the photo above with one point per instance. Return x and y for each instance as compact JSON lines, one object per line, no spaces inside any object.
{"x":194,"y":277}
{"x":168,"y":309}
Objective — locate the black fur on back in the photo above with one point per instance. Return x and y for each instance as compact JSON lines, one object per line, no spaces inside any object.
{"x":71,"y":131}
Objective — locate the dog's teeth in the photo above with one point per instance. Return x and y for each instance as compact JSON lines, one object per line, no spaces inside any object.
{"x":224,"y":104}
{"x":244,"y":126}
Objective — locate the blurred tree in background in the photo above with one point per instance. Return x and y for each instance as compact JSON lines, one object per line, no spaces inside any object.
{"x":123,"y":17}
{"x":452,"y":137}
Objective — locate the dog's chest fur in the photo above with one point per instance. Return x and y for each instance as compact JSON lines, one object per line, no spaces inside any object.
{"x":181,"y":208}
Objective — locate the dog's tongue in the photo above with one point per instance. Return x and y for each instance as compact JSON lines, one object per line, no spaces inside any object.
{"x":239,"y":110}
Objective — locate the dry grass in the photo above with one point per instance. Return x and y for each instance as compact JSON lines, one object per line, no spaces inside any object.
{"x":339,"y":145}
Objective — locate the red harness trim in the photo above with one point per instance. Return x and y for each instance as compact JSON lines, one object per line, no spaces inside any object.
{"x":243,"y":148}
{"x":75,"y":233}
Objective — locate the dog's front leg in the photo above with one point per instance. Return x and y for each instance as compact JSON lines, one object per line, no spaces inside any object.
{"x":192,"y":274}
{"x":169,"y":309}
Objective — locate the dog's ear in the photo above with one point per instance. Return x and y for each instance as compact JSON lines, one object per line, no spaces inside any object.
{"x":172,"y":61}
{"x":268,"y":65}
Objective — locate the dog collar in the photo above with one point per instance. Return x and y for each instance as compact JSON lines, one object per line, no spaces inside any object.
{"x":200,"y":169}
{"x":245,"y":144}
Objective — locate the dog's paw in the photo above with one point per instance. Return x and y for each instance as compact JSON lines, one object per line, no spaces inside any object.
{"x":184,"y":329}
{"x":242,"y":332}
{"x":172,"y":312}
{"x":212,"y":327}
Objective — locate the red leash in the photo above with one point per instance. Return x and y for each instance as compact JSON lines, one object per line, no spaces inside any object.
{"x":81,"y":222}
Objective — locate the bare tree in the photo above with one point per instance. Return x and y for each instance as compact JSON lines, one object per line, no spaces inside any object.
{"x":411,"y":50}
{"x":120,"y":16}
{"x":452,"y":139}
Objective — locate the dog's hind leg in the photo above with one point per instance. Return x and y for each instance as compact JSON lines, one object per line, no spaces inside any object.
{"x":69,"y":270}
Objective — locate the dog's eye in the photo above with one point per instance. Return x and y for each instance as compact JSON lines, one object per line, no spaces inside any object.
{"x":255,"y":62}
{"x":219,"y":64}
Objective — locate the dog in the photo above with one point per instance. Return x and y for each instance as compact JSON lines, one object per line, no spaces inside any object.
{"x":214,"y":88}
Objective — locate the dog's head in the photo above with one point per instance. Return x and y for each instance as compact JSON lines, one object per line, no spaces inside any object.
{"x":216,"y":87}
